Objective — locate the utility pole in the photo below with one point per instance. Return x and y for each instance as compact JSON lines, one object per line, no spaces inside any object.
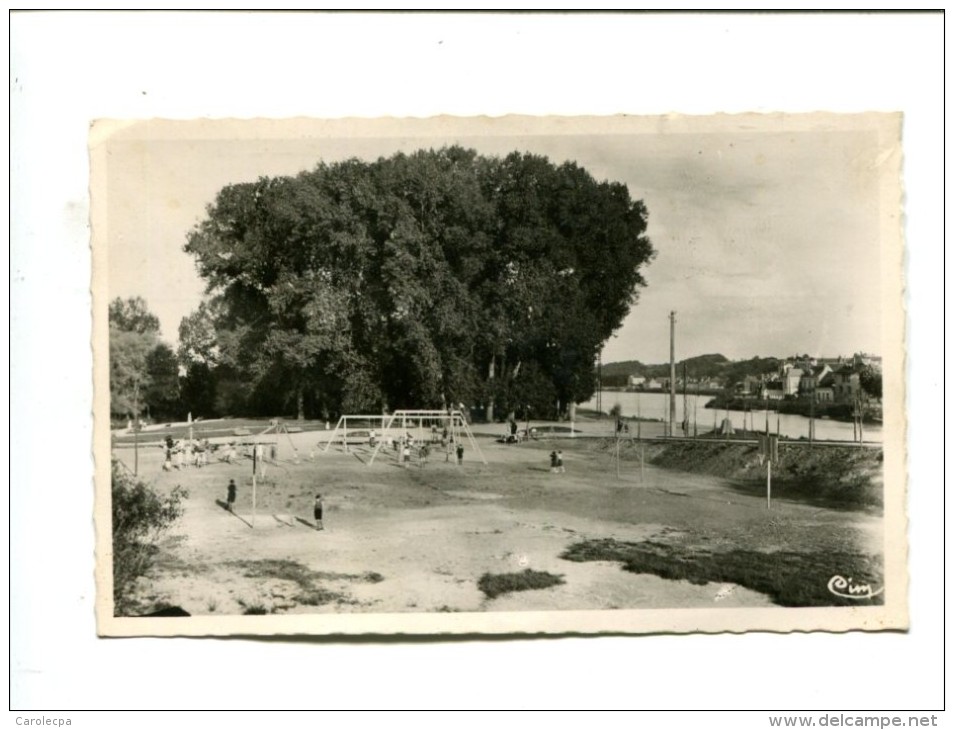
{"x":672,"y":371}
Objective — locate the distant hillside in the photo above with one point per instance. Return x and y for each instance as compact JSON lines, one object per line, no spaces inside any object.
{"x":625,"y":368}
{"x":715,"y":366}
{"x":701,"y":366}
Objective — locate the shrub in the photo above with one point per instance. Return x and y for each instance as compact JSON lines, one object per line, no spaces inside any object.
{"x":140,"y":516}
{"x":496,"y":584}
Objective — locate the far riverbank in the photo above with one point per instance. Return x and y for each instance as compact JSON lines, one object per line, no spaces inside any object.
{"x":844,"y":412}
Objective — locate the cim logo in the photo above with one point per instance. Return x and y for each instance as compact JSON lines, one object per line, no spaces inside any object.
{"x":847,"y":588}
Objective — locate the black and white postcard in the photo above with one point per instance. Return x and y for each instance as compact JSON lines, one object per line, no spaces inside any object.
{"x":499,"y":375}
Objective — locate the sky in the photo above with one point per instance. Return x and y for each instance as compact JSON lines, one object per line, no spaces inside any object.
{"x":769,"y":230}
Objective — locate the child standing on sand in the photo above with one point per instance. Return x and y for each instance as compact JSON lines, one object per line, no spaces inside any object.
{"x":319,"y":512}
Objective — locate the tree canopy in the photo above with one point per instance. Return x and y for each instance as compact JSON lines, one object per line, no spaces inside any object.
{"x":419,"y":280}
{"x":143,"y":372}
{"x":869,"y":379}
{"x":133,"y":315}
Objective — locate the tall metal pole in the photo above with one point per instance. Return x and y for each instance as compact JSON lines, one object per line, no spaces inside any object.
{"x":672,"y":371}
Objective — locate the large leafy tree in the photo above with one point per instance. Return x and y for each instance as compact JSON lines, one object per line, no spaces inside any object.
{"x":133,"y":334}
{"x":205,"y":384}
{"x":421,"y":280}
{"x":143,"y":370}
{"x":128,"y":373}
{"x":162,"y":373}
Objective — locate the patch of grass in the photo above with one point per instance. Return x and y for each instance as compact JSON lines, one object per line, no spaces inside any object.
{"x":318,"y":597}
{"x":255,"y":610}
{"x":309,"y":593}
{"x":496,"y":584}
{"x":789,"y":578}
{"x":369,"y":577}
{"x":289,"y":570}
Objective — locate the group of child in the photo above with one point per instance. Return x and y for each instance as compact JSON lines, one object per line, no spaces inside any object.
{"x":556,"y":462}
{"x":424,"y":450}
{"x":181,"y":454}
{"x":404,"y":445}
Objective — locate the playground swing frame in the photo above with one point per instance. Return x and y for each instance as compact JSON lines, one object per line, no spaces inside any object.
{"x":455,"y":420}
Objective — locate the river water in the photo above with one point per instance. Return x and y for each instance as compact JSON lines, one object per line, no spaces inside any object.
{"x":656,"y":406}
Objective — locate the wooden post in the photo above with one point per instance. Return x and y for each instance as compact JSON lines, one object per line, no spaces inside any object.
{"x":639,"y":419}
{"x":768,"y":485}
{"x":861,"y":422}
{"x":617,"y":452}
{"x":254,"y":495}
{"x":811,"y":421}
{"x":136,"y":428}
{"x":672,"y":374}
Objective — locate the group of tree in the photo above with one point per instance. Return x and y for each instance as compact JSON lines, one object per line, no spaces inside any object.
{"x":143,"y":370}
{"x":423,"y":280}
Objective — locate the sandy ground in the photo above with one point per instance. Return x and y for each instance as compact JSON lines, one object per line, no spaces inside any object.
{"x":417,"y":539}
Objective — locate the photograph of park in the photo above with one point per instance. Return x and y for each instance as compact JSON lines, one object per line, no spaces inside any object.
{"x":514,"y":374}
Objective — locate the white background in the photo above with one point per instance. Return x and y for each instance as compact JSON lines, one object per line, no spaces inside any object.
{"x":69,"y":69}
